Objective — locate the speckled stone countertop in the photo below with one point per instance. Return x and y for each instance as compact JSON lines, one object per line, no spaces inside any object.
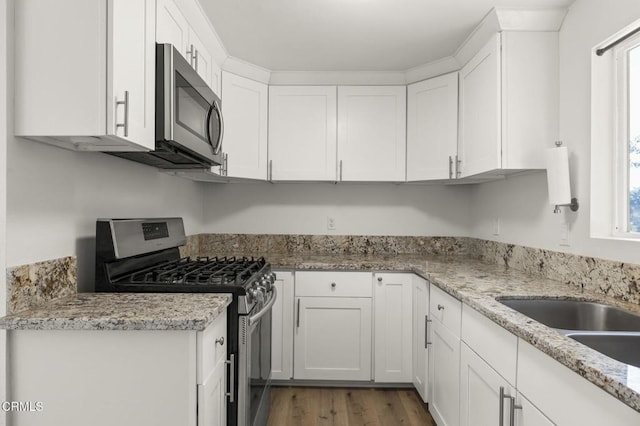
{"x":122,"y":311}
{"x":478,"y":284}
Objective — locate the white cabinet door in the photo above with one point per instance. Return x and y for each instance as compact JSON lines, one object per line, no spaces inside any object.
{"x":481,"y":400}
{"x":420,"y":336}
{"x":479,"y":147}
{"x":171,"y":26}
{"x":245,"y":115}
{"x":282,"y":327}
{"x":212,"y":402}
{"x":529,"y":415}
{"x":132,"y":71}
{"x":444,"y":375}
{"x":302,"y":133}
{"x":432,"y":128}
{"x":372,"y":133}
{"x":392,"y":328}
{"x":200,"y":57}
{"x":333,"y":338}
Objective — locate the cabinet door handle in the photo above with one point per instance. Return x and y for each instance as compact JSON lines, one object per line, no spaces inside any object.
{"x":190,"y":53}
{"x":440,"y":307}
{"x":125,"y":102}
{"x":426,"y":331}
{"x":512,"y":410}
{"x":232,"y":377}
{"x":298,"y":315}
{"x":458,"y":167}
{"x":220,"y":341}
{"x":270,"y":170}
{"x":450,"y":167}
{"x":195,"y":59}
{"x":340,"y":171}
{"x":502,"y":398}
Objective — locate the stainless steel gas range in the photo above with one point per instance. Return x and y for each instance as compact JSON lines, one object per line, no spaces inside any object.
{"x":142,"y":255}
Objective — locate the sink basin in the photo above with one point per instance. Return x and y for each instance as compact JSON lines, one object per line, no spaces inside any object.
{"x":619,"y":346}
{"x":575,"y":314}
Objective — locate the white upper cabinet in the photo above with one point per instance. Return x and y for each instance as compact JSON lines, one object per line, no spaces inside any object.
{"x":201,"y":58}
{"x":245,"y":115}
{"x":103,"y":98}
{"x":372,"y":133}
{"x":171,"y":26}
{"x":302,"y":133}
{"x":509,"y":104}
{"x":432,"y":128}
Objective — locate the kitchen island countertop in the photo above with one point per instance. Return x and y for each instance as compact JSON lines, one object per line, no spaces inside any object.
{"x":122,"y":311}
{"x":477,"y":284}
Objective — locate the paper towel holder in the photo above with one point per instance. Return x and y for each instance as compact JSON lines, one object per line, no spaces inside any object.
{"x":573,"y":204}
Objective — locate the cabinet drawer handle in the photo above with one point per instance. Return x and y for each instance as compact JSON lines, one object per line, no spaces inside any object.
{"x":298,"y":315}
{"x":426,"y":331}
{"x":379,"y":279}
{"x":333,"y":285}
{"x":220,"y":341}
{"x":440,"y":307}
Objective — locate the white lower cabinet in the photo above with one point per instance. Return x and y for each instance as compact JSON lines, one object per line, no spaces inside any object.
{"x":333,"y":326}
{"x":392,"y":326}
{"x":119,"y":377}
{"x":282,"y":327}
{"x":485,"y":396}
{"x":444,"y":375}
{"x":421,"y":337}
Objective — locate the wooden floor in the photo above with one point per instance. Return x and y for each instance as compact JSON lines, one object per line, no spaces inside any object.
{"x":347,"y":406}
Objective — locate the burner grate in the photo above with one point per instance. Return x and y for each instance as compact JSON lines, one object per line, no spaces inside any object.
{"x":229,"y":271}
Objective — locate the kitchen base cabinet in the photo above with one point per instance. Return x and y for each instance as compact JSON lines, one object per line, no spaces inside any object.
{"x":333,"y":338}
{"x":393,"y":328}
{"x":444,"y":374}
{"x":124,"y":378}
{"x":565,"y":397}
{"x":282,"y":327}
{"x":421,"y":336}
{"x":482,"y":390}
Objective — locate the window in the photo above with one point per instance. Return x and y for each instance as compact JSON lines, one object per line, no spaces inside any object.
{"x":627,"y":167}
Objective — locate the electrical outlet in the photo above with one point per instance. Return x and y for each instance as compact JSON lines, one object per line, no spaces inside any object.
{"x":496,"y":226}
{"x":331,"y":223}
{"x":564,"y":234}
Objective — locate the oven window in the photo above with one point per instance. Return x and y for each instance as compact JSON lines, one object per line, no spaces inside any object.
{"x":191,"y":108}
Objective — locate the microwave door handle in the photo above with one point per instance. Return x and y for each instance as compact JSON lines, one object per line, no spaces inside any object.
{"x":218,"y":146}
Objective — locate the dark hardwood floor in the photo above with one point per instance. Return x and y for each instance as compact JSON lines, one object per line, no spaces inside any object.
{"x":347,"y":406}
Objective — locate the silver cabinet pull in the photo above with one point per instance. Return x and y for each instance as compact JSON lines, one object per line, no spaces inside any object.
{"x":440,"y":307}
{"x":458,"y":167}
{"x":195,"y":59}
{"x":298,"y":315}
{"x":426,"y":331}
{"x":125,"y":102}
{"x":190,"y":52}
{"x":270,"y":173}
{"x":380,"y":279}
{"x":232,"y":377}
{"x":502,"y":398}
{"x":220,"y":341}
{"x":512,"y":410}
{"x":450,"y":167}
{"x":333,"y":285}
{"x":225,"y":164}
{"x":340,"y":171}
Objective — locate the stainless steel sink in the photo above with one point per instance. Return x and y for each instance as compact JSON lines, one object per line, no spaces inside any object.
{"x":624,"y":347}
{"x":575,"y":314}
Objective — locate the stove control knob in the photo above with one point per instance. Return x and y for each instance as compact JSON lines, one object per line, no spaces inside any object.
{"x":272,"y":277}
{"x":266,"y":283}
{"x":253,"y":294}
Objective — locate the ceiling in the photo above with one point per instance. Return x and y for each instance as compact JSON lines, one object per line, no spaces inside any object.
{"x":350,"y":35}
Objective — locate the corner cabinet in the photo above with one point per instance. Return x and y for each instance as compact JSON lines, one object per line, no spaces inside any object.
{"x":372,"y":133}
{"x":125,"y":378}
{"x":245,"y":115}
{"x":103,"y":98}
{"x":432,"y":128}
{"x":509,"y":104}
{"x":332,"y":326}
{"x":393,"y":328}
{"x":302,"y":133}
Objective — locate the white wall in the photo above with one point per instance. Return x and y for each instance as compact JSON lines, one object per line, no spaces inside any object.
{"x":358,"y":209}
{"x":521,"y":202}
{"x":55,"y":197}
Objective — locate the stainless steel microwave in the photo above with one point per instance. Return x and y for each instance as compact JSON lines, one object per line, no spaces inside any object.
{"x":189,"y":123}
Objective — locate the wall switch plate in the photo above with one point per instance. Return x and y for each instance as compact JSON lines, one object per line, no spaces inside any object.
{"x":331,"y":223}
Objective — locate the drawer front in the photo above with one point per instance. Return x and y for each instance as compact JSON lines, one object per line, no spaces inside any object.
{"x":333,"y":284}
{"x":446,"y":309}
{"x":494,"y":344}
{"x":209,"y":352}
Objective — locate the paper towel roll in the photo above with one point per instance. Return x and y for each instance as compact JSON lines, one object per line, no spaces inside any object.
{"x":558,"y":176}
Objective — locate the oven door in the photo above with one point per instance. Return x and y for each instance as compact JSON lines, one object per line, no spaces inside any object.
{"x":254,"y":387}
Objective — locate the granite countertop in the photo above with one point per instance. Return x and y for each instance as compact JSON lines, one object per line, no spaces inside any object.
{"x":478,"y":284}
{"x":122,"y":311}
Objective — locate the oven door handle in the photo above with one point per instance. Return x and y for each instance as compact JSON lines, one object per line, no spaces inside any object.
{"x":267,"y":307}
